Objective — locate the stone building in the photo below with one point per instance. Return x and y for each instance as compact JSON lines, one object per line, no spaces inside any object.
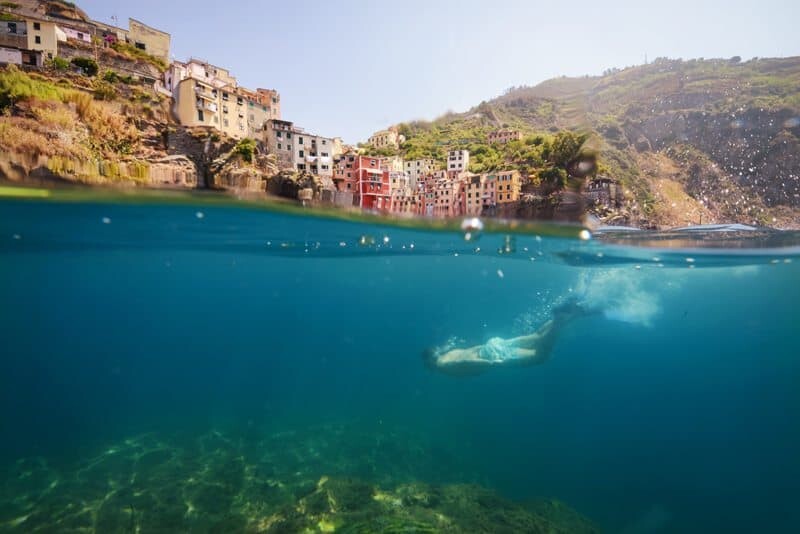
{"x":504,"y":136}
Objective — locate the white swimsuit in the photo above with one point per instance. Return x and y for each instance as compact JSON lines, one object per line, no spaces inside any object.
{"x":497,"y":349}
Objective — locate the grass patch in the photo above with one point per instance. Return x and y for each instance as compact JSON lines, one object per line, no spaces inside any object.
{"x":16,"y":85}
{"x":133,"y":53}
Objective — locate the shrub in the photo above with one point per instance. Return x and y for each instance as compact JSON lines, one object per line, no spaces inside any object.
{"x":59,"y":63}
{"x":246,"y":148}
{"x":110,"y":76}
{"x":9,"y":5}
{"x":104,"y":90}
{"x":86,"y":64}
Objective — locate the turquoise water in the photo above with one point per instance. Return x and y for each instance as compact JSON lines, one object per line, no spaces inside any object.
{"x":201,"y":368}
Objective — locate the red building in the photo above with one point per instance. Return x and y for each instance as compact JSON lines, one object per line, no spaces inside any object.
{"x":363,"y":176}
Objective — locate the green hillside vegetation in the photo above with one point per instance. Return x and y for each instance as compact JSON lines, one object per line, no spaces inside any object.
{"x":542,"y":158}
{"x":735,"y":125}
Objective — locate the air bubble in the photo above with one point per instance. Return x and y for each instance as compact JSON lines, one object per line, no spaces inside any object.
{"x":366,"y":241}
{"x":500,"y":273}
{"x":509,"y":245}
{"x":16,"y":237}
{"x":472,"y":228}
{"x":106,"y":220}
{"x":585,"y":235}
{"x":199,"y":214}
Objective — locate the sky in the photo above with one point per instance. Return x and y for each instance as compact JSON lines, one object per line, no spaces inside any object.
{"x":349,"y":68}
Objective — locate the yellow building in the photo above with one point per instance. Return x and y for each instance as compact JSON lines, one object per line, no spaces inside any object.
{"x":153,"y":41}
{"x":44,"y":36}
{"x":197,"y":103}
{"x":509,"y":185}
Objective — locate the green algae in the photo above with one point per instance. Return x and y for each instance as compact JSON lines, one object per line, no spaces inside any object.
{"x":306,"y":480}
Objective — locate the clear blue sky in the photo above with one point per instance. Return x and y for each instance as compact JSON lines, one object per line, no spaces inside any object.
{"x":348,"y":68}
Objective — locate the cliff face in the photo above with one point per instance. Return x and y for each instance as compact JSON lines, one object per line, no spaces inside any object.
{"x":723,"y":134}
{"x":61,"y":126}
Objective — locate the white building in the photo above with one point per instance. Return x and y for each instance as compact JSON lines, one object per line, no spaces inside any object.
{"x":418,"y":168}
{"x":457,"y":161}
{"x":299,"y":149}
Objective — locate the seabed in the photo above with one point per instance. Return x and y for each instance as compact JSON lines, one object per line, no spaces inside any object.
{"x":332,"y":478}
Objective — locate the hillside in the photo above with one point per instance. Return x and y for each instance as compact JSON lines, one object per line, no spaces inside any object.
{"x":691,"y":141}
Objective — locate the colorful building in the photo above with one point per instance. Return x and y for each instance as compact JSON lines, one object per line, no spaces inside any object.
{"x":509,"y":186}
{"x":344,"y":173}
{"x":206,"y":95}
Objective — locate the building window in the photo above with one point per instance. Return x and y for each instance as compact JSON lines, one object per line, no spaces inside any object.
{"x":225,"y":122}
{"x":12,"y":27}
{"x":279,"y":146}
{"x":300,"y":153}
{"x":38,"y":40}
{"x":288,"y":135}
{"x":200,"y":115}
{"x":323,"y":141}
{"x":278,"y":135}
{"x":324,"y":154}
{"x":140,"y":46}
{"x":37,"y":26}
{"x":80,"y":36}
{"x":299,"y":140}
{"x":224,"y":109}
{"x":224,"y":96}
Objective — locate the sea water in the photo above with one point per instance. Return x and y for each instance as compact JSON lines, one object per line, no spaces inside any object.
{"x":182,"y":367}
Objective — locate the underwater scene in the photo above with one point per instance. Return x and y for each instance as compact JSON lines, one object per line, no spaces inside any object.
{"x":199,"y":367}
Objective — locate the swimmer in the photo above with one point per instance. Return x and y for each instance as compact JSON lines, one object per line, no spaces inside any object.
{"x":527,"y":350}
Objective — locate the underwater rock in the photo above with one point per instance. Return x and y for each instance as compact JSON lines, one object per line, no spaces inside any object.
{"x":219,"y":483}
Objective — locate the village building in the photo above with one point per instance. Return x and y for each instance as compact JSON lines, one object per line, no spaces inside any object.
{"x":605,"y":192}
{"x":509,"y":185}
{"x":300,"y":150}
{"x":472,"y":194}
{"x":30,"y":34}
{"x":457,"y":162}
{"x":503,"y":136}
{"x":344,"y":172}
{"x":385,"y":138}
{"x":392,"y":163}
{"x":418,"y":168}
{"x":206,"y":95}
{"x":488,"y":193}
{"x":314,"y":153}
{"x":373,"y":184}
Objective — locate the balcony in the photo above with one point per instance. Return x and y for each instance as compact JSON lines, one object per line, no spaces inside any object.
{"x":206,"y":106}
{"x":205,"y":95}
